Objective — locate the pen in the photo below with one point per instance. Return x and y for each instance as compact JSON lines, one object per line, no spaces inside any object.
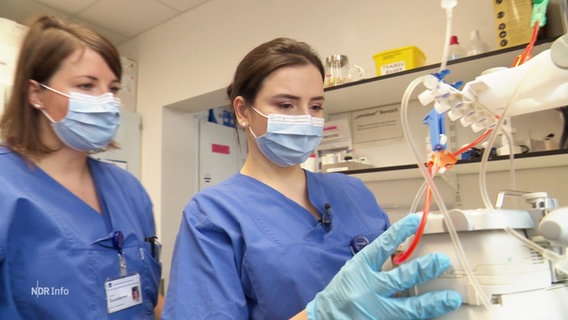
{"x":154,"y":245}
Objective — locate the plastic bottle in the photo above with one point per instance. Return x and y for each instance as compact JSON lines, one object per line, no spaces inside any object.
{"x":476,"y":45}
{"x":456,"y":50}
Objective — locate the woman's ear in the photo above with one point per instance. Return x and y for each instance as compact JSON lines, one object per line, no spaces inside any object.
{"x":34,"y":94}
{"x":241,"y":111}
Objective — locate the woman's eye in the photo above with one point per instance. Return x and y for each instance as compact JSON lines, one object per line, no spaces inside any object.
{"x":114,"y":90}
{"x":85,"y":86}
{"x":286,"y":105}
{"x":317,"y":107}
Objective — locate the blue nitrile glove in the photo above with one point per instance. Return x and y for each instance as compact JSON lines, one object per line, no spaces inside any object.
{"x":361,"y":291}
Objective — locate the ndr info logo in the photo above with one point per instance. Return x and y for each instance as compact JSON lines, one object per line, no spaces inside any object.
{"x":49,"y":291}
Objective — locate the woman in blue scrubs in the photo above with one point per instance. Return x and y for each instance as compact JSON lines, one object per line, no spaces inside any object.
{"x":263,"y":243}
{"x":76,"y":234}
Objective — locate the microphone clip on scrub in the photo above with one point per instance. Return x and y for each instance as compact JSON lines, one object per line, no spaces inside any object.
{"x":326,"y":217}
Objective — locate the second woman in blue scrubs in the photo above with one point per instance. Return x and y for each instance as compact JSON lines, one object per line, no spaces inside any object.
{"x":263,"y":243}
{"x":75,"y":232}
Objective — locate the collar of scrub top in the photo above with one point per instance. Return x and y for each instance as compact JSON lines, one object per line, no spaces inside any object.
{"x":107,"y":210}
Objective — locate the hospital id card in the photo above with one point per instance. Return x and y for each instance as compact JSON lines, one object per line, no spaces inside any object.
{"x":123,"y":292}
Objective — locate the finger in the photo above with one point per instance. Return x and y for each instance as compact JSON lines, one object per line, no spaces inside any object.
{"x":378,"y":251}
{"x":414,"y":272}
{"x":426,"y":306}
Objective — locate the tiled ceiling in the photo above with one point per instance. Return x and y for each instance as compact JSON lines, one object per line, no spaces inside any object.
{"x":118,"y":20}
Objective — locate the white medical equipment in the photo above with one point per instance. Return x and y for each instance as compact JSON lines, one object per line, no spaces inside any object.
{"x":507,"y":264}
{"x":518,"y":281}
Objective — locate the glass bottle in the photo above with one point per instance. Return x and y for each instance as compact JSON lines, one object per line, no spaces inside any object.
{"x":476,"y":45}
{"x":456,"y":50}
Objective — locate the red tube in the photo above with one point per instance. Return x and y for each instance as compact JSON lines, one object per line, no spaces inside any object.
{"x":402,"y":256}
{"x":473,"y":144}
{"x":527,"y":53}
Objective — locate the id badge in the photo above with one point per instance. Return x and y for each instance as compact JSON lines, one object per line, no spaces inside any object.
{"x":123,"y":292}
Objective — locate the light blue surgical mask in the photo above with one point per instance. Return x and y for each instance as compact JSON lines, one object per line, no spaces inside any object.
{"x":91,"y":122}
{"x":289,"y":140}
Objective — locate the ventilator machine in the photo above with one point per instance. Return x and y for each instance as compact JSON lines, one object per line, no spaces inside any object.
{"x":506,"y":263}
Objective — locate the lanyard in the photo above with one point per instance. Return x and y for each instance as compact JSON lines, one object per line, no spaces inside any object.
{"x":117,"y":242}
{"x":117,"y":235}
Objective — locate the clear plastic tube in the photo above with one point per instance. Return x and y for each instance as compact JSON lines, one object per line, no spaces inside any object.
{"x":401,"y":257}
{"x":446,"y":50}
{"x":512,"y":176}
{"x":437,"y":196}
{"x":418,"y":196}
{"x":547,"y":254}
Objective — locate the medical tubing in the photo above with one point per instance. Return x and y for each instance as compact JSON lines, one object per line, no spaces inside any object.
{"x":473,"y":143}
{"x":547,"y":254}
{"x":401,"y":257}
{"x":511,"y":142}
{"x":418,"y":196}
{"x":527,"y":53}
{"x":436,"y":193}
{"x":446,"y":51}
{"x":485,"y":157}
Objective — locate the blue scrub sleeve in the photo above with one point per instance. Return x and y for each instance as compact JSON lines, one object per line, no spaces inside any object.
{"x":204,"y":281}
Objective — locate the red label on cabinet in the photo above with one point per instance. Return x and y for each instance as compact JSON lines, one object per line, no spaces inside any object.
{"x":218,"y":148}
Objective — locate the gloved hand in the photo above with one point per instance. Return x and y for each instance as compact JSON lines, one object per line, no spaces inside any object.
{"x":361,"y":291}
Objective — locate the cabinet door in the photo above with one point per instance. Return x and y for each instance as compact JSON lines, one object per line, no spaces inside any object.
{"x":129,"y":138}
{"x":219,"y":153}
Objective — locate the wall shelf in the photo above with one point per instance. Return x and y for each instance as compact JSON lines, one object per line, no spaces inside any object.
{"x":389,"y":89}
{"x":533,"y":160}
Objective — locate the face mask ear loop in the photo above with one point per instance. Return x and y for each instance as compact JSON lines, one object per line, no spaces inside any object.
{"x":47,"y":115}
{"x":254,"y":135}
{"x":43,"y":110}
{"x":261,"y":114}
{"x":56,"y":91}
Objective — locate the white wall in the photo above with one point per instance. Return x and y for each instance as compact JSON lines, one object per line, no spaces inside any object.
{"x":197,"y":52}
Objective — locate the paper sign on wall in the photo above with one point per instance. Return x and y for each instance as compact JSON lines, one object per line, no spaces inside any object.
{"x":377,"y":124}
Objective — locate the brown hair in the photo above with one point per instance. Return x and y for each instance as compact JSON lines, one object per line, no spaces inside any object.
{"x":48,"y":42}
{"x":267,"y":58}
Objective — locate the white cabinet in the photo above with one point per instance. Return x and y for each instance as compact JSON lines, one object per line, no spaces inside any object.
{"x":129,"y":141}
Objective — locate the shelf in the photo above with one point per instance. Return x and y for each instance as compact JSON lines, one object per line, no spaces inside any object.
{"x":533,"y":160}
{"x":389,"y":89}
{"x":379,"y":91}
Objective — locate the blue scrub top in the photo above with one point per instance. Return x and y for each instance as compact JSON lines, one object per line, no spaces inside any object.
{"x":56,"y":251}
{"x":245,"y":251}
